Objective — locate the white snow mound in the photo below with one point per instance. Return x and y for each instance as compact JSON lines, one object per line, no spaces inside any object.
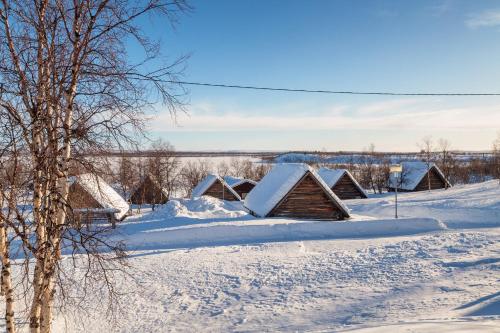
{"x":203,"y":207}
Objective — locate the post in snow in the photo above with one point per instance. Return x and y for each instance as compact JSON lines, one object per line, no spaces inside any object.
{"x":396,"y":170}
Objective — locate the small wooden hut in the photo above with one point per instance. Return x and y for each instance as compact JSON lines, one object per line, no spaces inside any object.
{"x":342,"y":183}
{"x":149,"y":191}
{"x":415,"y":177}
{"x":91,"y":198}
{"x":295,"y":190}
{"x":240,"y":185}
{"x":215,"y":186}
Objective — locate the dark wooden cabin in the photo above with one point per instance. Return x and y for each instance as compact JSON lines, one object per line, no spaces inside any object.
{"x":342,"y":183}
{"x":92,"y":199}
{"x":295,"y":191}
{"x":240,"y":185}
{"x":149,"y":192}
{"x":216,"y":187}
{"x":415,"y":178}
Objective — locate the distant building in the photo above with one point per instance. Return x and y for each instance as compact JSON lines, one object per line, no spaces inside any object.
{"x":215,"y":186}
{"x":240,"y":185}
{"x":149,"y":192}
{"x":415,"y":177}
{"x":91,"y":198}
{"x":295,"y":190}
{"x":342,"y":183}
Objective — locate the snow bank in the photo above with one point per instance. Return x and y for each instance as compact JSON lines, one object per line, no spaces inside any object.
{"x":275,"y":230}
{"x":202,"y":207}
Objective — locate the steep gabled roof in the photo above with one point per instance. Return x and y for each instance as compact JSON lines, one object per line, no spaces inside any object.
{"x":208,"y":181}
{"x":332,"y":176}
{"x":278,"y":182}
{"x":234,"y":181}
{"x":103,"y":193}
{"x":151,"y":181}
{"x":413,"y":173}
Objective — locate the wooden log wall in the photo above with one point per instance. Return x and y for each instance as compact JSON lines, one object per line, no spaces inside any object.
{"x":307,"y":200}
{"x":436,"y":181}
{"x":148,"y":192}
{"x":217,"y":190}
{"x":346,"y":189}
{"x":243,"y":189}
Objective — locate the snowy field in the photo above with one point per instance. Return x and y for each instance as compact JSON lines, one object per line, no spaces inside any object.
{"x":207,"y":266}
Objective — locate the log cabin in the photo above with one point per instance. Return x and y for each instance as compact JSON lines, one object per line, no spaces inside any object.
{"x":415,"y":177}
{"x":295,"y":190}
{"x":215,"y":186}
{"x":240,"y":185}
{"x":149,"y":191}
{"x":342,"y":183}
{"x":92,"y":199}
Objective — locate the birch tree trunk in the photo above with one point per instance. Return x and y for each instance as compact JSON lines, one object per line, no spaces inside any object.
{"x":6,"y":278}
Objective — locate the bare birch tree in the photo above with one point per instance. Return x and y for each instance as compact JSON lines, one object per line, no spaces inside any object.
{"x":446,"y":158}
{"x":427,"y":151}
{"x":496,"y":158}
{"x":69,"y":88}
{"x":163,"y":165}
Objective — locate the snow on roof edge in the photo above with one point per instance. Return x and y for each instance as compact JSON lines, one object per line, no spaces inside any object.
{"x":331,"y":182}
{"x":208,"y":181}
{"x":267,"y":194}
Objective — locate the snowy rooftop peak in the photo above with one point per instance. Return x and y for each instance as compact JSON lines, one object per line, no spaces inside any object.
{"x":208,"y":181}
{"x":277,"y":183}
{"x":235,"y":181}
{"x":413,"y":173}
{"x":331,"y":176}
{"x":103,"y":193}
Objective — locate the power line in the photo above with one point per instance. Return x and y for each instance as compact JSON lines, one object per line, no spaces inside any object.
{"x":338,"y":92}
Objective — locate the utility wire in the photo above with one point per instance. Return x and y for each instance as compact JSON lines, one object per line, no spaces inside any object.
{"x":339,"y":92}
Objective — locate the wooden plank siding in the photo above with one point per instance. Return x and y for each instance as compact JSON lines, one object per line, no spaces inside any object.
{"x":79,"y":198}
{"x":243,"y":189}
{"x":148,"y":192}
{"x":436,"y":181}
{"x":346,"y":189}
{"x":217,"y":190}
{"x":307,"y":200}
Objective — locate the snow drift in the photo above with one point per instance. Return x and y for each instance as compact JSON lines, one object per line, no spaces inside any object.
{"x":276,"y":230}
{"x":203,"y":207}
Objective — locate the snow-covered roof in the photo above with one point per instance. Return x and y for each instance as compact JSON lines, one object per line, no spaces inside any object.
{"x":208,"y":181}
{"x":332,"y":176}
{"x":235,"y":181}
{"x":277,"y":183}
{"x":103,"y":193}
{"x":412,"y":175}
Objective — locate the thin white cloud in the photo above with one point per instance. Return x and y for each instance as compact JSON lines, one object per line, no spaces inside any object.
{"x":487,"y":18}
{"x":419,"y":117}
{"x":441,"y":8}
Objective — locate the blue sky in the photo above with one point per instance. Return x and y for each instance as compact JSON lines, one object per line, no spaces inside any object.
{"x":398,"y":46}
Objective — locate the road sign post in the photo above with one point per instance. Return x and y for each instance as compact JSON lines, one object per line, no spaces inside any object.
{"x":396,"y":170}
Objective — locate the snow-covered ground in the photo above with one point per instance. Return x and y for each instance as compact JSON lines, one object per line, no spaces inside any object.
{"x":284,"y":276}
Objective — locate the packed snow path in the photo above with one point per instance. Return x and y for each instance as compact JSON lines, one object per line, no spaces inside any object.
{"x":312,"y":285}
{"x":438,"y":281}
